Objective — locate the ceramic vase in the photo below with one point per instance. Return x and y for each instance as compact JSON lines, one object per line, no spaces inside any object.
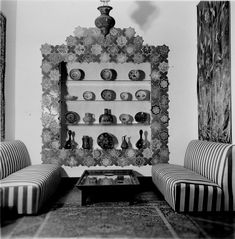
{"x":68,"y":144}
{"x":139,"y":144}
{"x":124,"y":144}
{"x":104,"y":22}
{"x":86,"y":142}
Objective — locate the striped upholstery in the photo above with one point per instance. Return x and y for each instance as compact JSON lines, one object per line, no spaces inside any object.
{"x":13,"y":157}
{"x":185,"y":190}
{"x":28,"y":188}
{"x":205,"y":183}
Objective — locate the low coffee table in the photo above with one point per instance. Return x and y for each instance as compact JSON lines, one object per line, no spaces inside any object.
{"x":107,"y":183}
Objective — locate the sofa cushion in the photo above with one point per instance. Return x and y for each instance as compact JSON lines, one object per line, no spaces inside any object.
{"x":13,"y":157}
{"x":186,"y":190}
{"x":27,"y":189}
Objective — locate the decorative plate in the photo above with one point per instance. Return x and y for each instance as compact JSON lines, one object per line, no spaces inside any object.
{"x":105,"y":141}
{"x":142,"y":95}
{"x":142,"y":117}
{"x":136,"y":75}
{"x":89,"y":95}
{"x":126,"y":96}
{"x":108,"y":95}
{"x":108,"y":74}
{"x":76,"y":74}
{"x":72,"y":117}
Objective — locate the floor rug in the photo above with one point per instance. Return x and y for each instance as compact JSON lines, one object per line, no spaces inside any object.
{"x":145,"y":220}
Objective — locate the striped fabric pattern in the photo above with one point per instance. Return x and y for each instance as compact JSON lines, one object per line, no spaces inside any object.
{"x":27,"y":189}
{"x":13,"y":157}
{"x":185,"y":190}
{"x":206,"y":182}
{"x":214,"y":161}
{"x":207,"y":159}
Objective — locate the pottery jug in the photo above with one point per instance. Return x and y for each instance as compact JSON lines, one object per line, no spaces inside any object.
{"x":89,"y":118}
{"x":106,"y":118}
{"x":86,"y":142}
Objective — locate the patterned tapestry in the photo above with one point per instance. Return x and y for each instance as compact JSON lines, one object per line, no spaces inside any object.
{"x":2,"y":72}
{"x":120,"y":46}
{"x":214,"y":71}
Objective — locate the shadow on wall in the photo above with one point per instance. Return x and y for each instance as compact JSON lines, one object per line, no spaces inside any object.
{"x":144,"y":14}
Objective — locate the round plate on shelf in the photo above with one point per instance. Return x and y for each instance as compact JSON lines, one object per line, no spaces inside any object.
{"x":105,"y":141}
{"x":142,"y":95}
{"x":108,"y":95}
{"x":72,"y":117}
{"x":136,"y":75}
{"x":76,"y":74}
{"x":108,"y":74}
{"x":89,"y":95}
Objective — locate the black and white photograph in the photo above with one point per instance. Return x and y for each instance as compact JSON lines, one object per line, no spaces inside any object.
{"x":117,"y":119}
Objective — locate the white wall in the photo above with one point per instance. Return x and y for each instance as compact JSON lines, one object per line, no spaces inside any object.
{"x":172,"y":23}
{"x":8,"y":7}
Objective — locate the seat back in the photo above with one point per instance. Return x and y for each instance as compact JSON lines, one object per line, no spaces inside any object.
{"x":215,"y":162}
{"x":13,"y":157}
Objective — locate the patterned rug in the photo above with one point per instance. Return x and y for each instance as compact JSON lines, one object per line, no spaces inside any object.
{"x":114,"y":220}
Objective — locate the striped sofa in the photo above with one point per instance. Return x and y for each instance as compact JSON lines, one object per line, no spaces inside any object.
{"x":205,"y":183}
{"x":25,"y":187}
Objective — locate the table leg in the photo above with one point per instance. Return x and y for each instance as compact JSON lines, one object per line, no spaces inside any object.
{"x":83,"y":198}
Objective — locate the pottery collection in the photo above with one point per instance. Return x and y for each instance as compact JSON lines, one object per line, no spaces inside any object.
{"x":106,"y":140}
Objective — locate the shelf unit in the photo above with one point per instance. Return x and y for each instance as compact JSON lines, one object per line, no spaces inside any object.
{"x":93,"y":82}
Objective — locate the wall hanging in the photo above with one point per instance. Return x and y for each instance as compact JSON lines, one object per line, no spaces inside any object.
{"x":214,"y":71}
{"x":105,"y":100}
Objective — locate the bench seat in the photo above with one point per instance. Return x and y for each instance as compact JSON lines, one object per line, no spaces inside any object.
{"x":185,"y":190}
{"x":25,"y":188}
{"x":206,"y":181}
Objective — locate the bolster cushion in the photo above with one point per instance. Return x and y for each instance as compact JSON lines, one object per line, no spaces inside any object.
{"x":186,"y":190}
{"x":27,"y":189}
